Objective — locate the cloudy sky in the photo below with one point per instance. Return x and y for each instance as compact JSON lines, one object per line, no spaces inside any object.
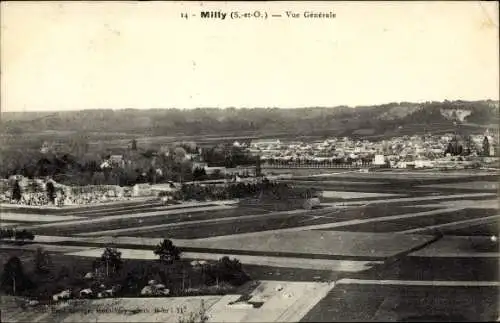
{"x":68,"y":56}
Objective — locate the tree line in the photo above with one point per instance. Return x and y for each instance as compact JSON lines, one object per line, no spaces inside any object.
{"x":238,"y":190}
{"x":9,"y":233}
{"x":140,"y":165}
{"x":456,"y":148}
{"x":205,"y":121}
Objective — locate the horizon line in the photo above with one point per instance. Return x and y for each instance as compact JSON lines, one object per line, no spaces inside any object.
{"x":257,"y":107}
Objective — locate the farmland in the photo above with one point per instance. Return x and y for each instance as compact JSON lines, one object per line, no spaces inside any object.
{"x":405,"y":233}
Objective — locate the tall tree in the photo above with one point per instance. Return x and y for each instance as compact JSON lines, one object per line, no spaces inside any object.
{"x":111,"y":258}
{"x":179,"y":155}
{"x":14,"y":281}
{"x":51,"y":191}
{"x":486,"y":146}
{"x":16,"y":191}
{"x":258,"y":167}
{"x":167,"y":251}
{"x":468,"y":146}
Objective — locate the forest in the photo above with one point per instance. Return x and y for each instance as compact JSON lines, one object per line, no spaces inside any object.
{"x":232,"y":121}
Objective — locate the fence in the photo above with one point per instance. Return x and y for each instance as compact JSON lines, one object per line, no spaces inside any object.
{"x":319,"y":165}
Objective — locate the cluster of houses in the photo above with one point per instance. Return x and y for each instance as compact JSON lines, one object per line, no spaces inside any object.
{"x":399,"y":152}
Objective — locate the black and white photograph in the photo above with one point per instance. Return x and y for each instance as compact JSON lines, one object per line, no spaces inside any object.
{"x":249,"y":161}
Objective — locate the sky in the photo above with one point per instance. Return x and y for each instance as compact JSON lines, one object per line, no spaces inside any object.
{"x":113,"y":55}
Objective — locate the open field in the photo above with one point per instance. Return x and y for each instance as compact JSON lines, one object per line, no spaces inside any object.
{"x":397,"y":225}
{"x":132,"y":216}
{"x":332,"y":181}
{"x":216,"y":228}
{"x":330,"y":244}
{"x":167,"y":218}
{"x":70,"y":209}
{"x":467,"y":185}
{"x":403,"y":175}
{"x":355,"y":303}
{"x":263,"y":260}
{"x":354,"y":195}
{"x":321,"y":242}
{"x":461,"y":246}
{"x":183,"y":228}
{"x":486,"y":229}
{"x":438,"y":269}
{"x":37,"y":217}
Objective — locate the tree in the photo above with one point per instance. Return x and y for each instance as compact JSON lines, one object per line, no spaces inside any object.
{"x":14,"y":280}
{"x":167,"y":251}
{"x":468,"y":146}
{"x":134,"y":144}
{"x":258,"y":166}
{"x":16,"y":191}
{"x":24,"y":235}
{"x":51,"y":191}
{"x":486,"y":146}
{"x":6,"y":233}
{"x":42,"y":261}
{"x":179,"y":154}
{"x":228,"y":270}
{"x":190,"y":147}
{"x":449,"y":149}
{"x":199,"y":173}
{"x":111,"y":258}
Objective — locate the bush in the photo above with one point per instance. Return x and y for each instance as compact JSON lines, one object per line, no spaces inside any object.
{"x":18,"y":235}
{"x":226,"y":270}
{"x":24,"y":235}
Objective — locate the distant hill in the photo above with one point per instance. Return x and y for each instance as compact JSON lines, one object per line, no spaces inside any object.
{"x":392,"y":118}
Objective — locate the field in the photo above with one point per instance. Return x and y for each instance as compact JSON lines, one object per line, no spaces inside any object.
{"x":362,"y":303}
{"x":469,"y":185}
{"x":391,"y":241}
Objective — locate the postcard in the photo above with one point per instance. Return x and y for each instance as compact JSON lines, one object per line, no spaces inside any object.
{"x":273,"y":161}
